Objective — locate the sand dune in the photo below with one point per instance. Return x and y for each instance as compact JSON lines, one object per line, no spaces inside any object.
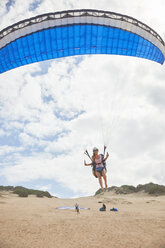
{"x":36,"y":223}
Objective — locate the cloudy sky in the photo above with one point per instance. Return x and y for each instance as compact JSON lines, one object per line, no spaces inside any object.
{"x":50,"y":112}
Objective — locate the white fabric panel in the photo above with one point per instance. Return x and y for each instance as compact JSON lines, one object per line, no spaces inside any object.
{"x":19,"y":33}
{"x":82,"y":20}
{"x":12,"y":37}
{"x":151,"y":39}
{"x":124,"y":25}
{"x":106,"y":21}
{"x":112,"y":23}
{"x":76,"y":20}
{"x":40,"y":26}
{"x":27,"y":30}
{"x":5,"y":39}
{"x":16,"y":34}
{"x":34,"y":28}
{"x":89,"y":19}
{"x":148,"y":37}
{"x":51,"y":24}
{"x":133,"y":29}
{"x":92,"y":19}
{"x":3,"y":42}
{"x":23,"y":33}
{"x":9,"y":37}
{"x":128,"y":26}
{"x":143,"y":33}
{"x":157,"y":43}
{"x":58,"y":22}
{"x":64,"y":21}
{"x":70,"y":20}
{"x":139,"y":31}
{"x":46,"y":24}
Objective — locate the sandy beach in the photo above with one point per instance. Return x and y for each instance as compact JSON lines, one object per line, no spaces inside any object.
{"x":36,"y":223}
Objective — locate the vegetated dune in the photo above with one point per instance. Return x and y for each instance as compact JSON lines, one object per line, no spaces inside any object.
{"x":34,"y":222}
{"x":149,"y":188}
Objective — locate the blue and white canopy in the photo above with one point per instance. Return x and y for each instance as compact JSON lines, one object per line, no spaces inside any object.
{"x":66,"y":208}
{"x":77,"y":32}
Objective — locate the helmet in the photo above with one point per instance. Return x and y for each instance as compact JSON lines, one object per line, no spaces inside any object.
{"x":95,"y":149}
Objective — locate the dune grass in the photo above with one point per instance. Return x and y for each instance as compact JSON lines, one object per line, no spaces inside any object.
{"x":25,"y":192}
{"x":150,"y":188}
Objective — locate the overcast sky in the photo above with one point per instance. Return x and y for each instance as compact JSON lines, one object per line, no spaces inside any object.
{"x":50,"y":112}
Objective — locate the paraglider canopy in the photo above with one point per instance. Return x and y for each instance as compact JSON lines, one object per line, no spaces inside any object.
{"x":77,"y":32}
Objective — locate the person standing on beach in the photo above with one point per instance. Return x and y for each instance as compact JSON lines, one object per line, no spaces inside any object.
{"x":77,"y":208}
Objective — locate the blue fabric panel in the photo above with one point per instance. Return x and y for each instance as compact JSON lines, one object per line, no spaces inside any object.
{"x":76,"y":40}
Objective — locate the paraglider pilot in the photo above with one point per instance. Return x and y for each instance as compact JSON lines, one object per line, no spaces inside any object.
{"x":99,"y":166}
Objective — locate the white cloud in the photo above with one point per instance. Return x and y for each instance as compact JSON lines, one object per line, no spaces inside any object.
{"x":5,"y":150}
{"x":2,"y":132}
{"x":44,"y":188}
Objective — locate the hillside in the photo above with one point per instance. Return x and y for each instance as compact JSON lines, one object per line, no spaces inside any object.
{"x":150,"y":188}
{"x":24,"y":192}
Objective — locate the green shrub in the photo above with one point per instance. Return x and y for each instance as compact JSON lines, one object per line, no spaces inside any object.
{"x":7,"y":188}
{"x":156,"y":189}
{"x":40,"y":194}
{"x":98,"y":192}
{"x":1,"y":187}
{"x":125,"y":189}
{"x":47,"y":194}
{"x":23,"y":193}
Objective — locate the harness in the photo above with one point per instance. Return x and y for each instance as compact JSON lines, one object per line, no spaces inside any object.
{"x":94,"y":166}
{"x":97,"y":163}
